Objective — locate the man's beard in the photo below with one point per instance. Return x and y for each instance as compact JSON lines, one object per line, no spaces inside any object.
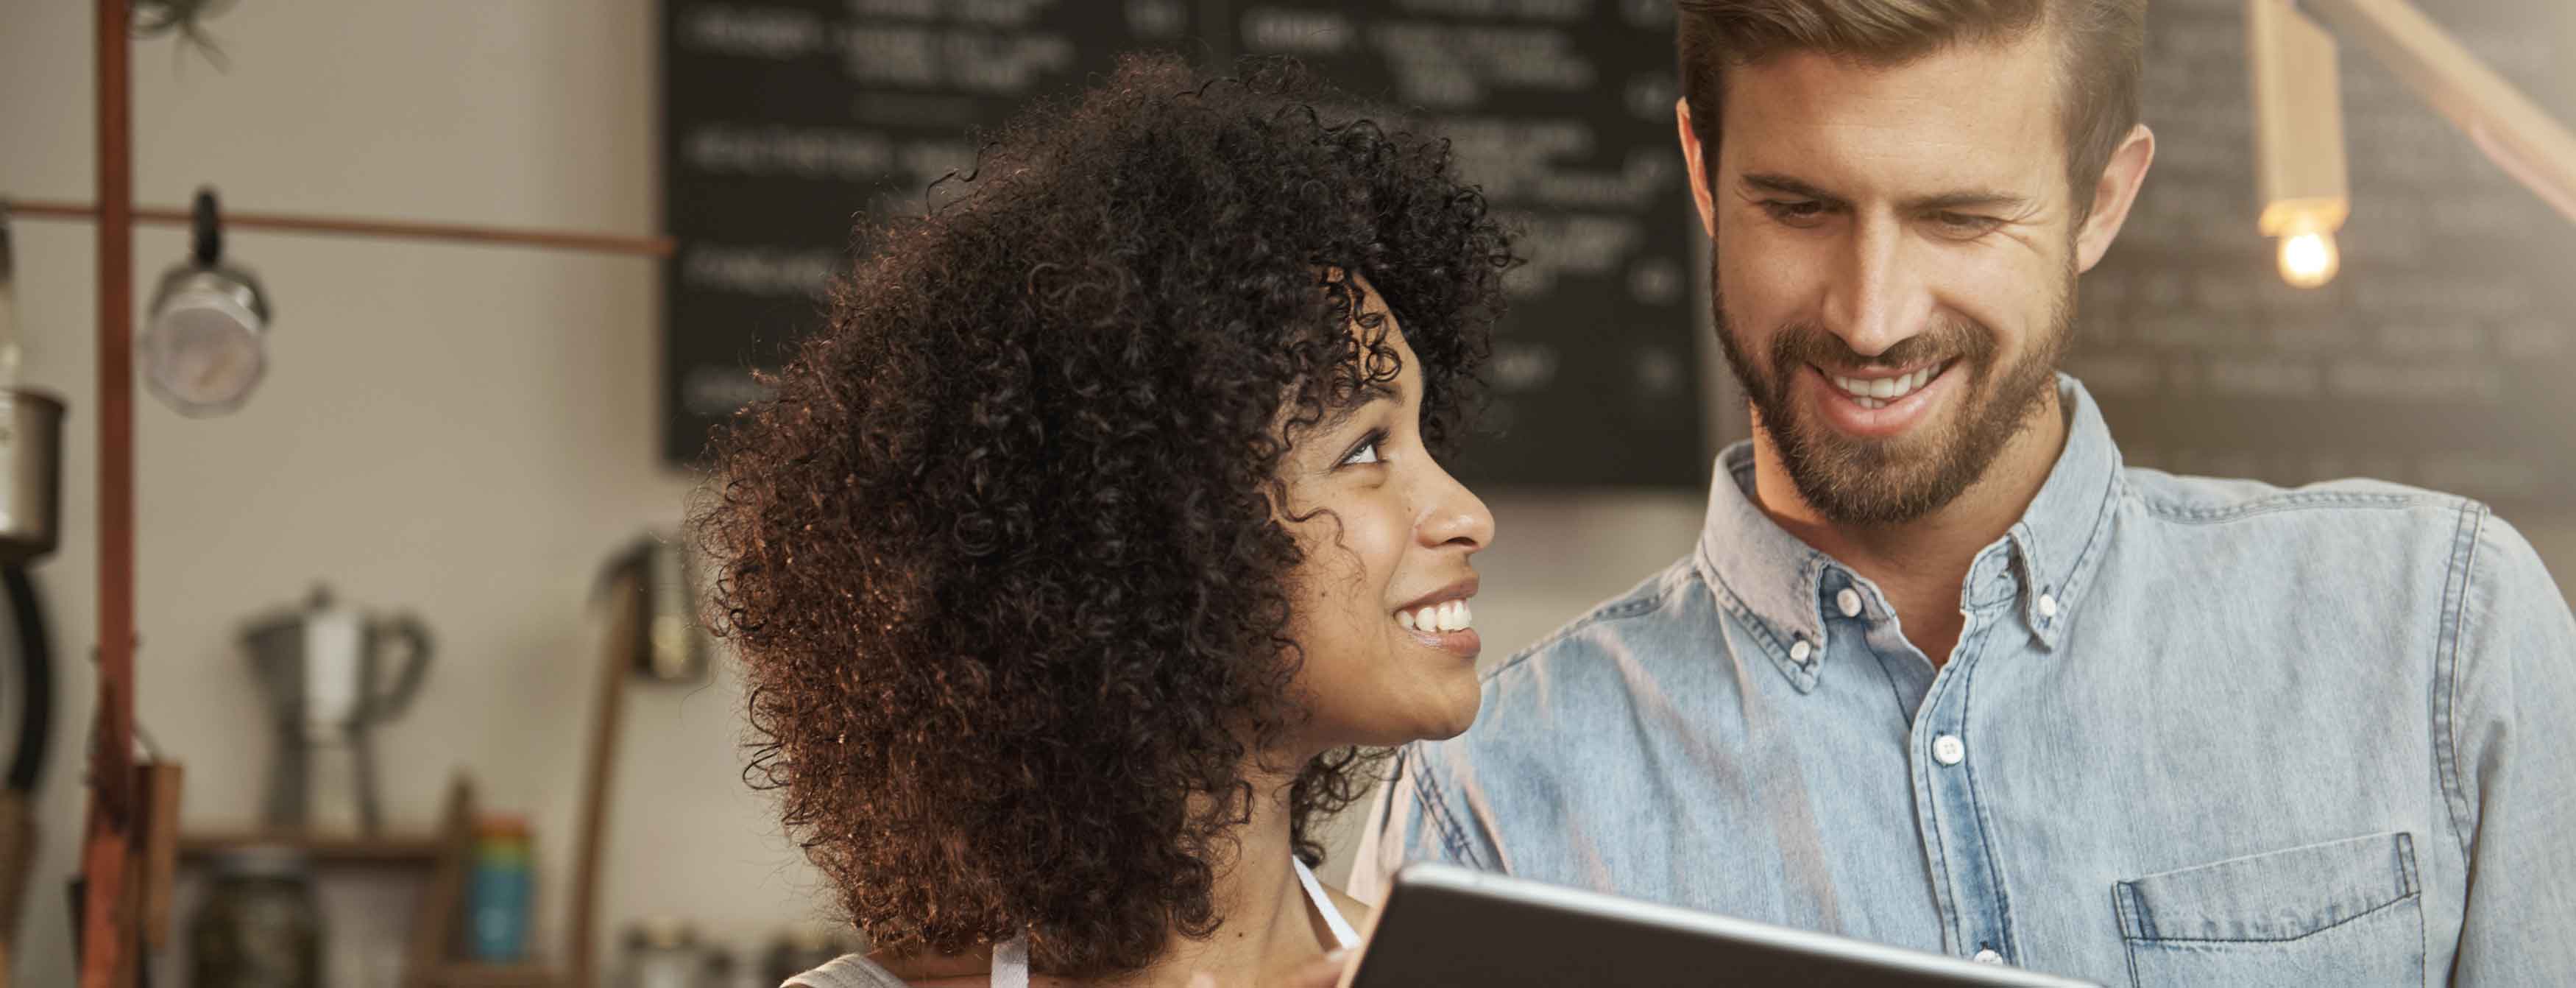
{"x":1890,"y":481}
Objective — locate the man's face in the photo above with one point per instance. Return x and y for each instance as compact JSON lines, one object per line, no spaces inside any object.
{"x":1894,"y":266}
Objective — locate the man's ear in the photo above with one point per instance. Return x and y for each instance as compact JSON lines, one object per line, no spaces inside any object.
{"x":1698,"y":167}
{"x":2113,"y":194}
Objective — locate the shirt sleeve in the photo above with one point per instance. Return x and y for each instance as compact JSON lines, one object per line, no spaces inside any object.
{"x":2510,"y":732}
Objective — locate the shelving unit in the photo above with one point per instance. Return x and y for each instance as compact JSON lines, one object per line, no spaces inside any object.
{"x":432,"y":959}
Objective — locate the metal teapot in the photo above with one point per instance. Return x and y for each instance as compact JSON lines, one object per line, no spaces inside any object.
{"x":332,"y":673}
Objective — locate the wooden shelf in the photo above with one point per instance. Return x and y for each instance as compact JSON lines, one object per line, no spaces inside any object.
{"x":421,"y":849}
{"x":462,"y":974}
{"x":444,"y":855}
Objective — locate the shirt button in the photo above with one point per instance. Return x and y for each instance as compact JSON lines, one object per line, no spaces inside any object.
{"x":1948,"y":749}
{"x":1849,"y":601}
{"x":2047,"y":606}
{"x":1798,"y":650}
{"x":1988,"y":956}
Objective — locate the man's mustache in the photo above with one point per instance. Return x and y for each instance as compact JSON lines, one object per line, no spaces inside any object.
{"x":1950,"y":337}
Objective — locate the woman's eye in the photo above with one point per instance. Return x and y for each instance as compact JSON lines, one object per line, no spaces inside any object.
{"x":1367,"y":453}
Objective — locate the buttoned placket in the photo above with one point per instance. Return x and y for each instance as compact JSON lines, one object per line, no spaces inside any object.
{"x":1968,"y":885}
{"x":1804,"y":612}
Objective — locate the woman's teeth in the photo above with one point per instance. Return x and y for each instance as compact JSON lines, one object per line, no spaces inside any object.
{"x":1449,"y":616}
{"x":1881,"y":392}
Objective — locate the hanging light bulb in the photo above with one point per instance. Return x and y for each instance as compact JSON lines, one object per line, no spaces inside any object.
{"x":2298,"y":139}
{"x":2309,"y":259}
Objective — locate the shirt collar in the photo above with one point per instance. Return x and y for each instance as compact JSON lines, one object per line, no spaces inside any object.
{"x":1780,"y":589}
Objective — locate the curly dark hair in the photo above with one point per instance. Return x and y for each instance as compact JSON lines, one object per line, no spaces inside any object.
{"x":1000,"y":557}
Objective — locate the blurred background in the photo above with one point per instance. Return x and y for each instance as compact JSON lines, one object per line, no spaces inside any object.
{"x":466,"y":447}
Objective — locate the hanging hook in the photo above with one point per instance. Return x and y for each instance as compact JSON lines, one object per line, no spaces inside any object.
{"x":206,"y":237}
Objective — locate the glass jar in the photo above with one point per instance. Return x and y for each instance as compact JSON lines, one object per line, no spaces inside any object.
{"x":663,"y":953}
{"x":496,"y":896}
{"x":802,"y":948}
{"x":723,"y":971}
{"x":259,"y":926}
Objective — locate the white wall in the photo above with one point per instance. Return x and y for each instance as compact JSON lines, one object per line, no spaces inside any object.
{"x":460,"y":431}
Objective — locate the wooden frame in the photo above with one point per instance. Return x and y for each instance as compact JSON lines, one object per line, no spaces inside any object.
{"x":2513,"y":131}
{"x":431,"y":957}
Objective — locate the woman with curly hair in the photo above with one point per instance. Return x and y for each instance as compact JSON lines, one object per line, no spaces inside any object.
{"x":1078,"y":565}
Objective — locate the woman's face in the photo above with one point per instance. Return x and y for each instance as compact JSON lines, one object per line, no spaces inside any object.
{"x":1382,"y":597}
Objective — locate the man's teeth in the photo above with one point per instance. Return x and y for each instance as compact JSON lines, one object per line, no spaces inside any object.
{"x":1878,"y":393}
{"x":1451,"y":616}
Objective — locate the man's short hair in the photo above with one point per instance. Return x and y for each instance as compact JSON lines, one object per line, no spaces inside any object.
{"x":2099,"y":44}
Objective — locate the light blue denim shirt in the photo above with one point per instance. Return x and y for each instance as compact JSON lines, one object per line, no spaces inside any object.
{"x":2195,"y":732}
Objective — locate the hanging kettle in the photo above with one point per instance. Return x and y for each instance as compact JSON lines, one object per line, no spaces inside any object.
{"x":669,"y":644}
{"x":31,"y":440}
{"x":206,"y":345}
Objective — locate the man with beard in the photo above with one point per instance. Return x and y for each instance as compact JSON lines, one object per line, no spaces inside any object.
{"x":1940,"y":672}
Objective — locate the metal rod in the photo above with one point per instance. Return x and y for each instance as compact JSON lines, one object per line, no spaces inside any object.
{"x":597,"y":243}
{"x":107,"y":852}
{"x":2507,"y":126}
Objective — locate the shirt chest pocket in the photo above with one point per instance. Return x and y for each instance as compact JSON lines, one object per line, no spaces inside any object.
{"x":2346,"y":913}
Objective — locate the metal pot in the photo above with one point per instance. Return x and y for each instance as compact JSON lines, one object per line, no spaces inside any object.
{"x":31,"y":453}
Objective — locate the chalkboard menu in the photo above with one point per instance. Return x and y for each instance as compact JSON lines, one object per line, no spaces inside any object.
{"x":2443,"y":355}
{"x":785,"y":122}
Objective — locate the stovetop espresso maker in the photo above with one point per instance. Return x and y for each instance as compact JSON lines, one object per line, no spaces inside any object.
{"x":332,"y":674}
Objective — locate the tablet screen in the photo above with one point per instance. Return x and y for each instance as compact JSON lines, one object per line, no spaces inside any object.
{"x":1445,"y":925}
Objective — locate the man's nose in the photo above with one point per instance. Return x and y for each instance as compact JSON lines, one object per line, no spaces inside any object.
{"x":1875,"y":298}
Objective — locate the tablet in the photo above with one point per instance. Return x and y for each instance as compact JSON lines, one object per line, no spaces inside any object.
{"x":1446,"y":925}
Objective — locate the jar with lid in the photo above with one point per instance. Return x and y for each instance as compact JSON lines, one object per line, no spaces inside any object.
{"x":663,"y":953}
{"x":497,"y":893}
{"x":802,"y":948}
{"x":259,"y":926}
{"x":723,"y":971}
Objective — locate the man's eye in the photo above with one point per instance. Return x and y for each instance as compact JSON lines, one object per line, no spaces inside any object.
{"x":1795,"y":212}
{"x":1964,"y":224}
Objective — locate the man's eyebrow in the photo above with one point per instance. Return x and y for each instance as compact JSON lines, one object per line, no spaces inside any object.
{"x":1961,"y":199}
{"x":1785,"y":185}
{"x":1967,"y":199}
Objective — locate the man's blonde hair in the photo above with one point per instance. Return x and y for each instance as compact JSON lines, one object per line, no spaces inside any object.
{"x":2099,"y":45}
